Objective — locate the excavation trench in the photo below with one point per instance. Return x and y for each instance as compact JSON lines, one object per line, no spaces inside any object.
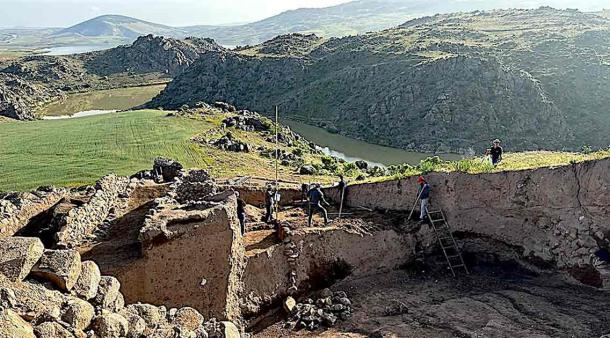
{"x":528,"y":238}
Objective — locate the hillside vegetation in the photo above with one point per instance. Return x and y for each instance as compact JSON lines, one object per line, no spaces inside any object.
{"x":538,"y":79}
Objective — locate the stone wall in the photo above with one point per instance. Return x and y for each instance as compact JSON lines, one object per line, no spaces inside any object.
{"x":256,"y":196}
{"x":83,"y":220}
{"x":557,"y":215}
{"x":17,"y":209}
{"x":190,"y":258}
{"x":321,"y":252}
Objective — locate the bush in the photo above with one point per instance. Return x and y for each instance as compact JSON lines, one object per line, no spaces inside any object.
{"x":586,"y":149}
{"x":329,"y":163}
{"x":430,"y":164}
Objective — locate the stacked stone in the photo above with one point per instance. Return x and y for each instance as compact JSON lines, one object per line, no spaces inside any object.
{"x":16,"y":209}
{"x":325,"y":310}
{"x":291,"y":252}
{"x":82,"y":221}
{"x":574,"y":244}
{"x":51,"y":293}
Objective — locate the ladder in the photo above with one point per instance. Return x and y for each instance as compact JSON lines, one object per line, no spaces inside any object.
{"x":447,"y":241}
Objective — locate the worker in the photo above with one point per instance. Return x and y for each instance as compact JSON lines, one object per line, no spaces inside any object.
{"x":316,"y":199}
{"x":495,"y":152}
{"x":269,"y":201}
{"x":241,"y":213}
{"x":424,"y":197}
{"x":304,"y":190}
{"x":342,"y":189}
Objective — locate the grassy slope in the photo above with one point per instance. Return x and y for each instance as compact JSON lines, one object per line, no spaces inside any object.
{"x":79,"y":151}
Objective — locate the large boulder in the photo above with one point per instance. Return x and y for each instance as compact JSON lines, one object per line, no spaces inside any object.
{"x":167,"y":168}
{"x":52,"y":330}
{"x":107,"y":292}
{"x":18,"y":255}
{"x":152,"y":315}
{"x":88,"y":281}
{"x":188,"y":319}
{"x":61,"y":267}
{"x":137,"y":325}
{"x":78,"y":313}
{"x":229,"y":330}
{"x":13,"y":326}
{"x":35,"y":300}
{"x":110,"y":325}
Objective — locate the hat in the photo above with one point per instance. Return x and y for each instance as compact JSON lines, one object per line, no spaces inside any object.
{"x":496,"y":141}
{"x":421,"y":179}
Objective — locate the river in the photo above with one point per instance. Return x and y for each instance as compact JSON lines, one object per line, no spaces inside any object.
{"x":351,"y":149}
{"x":108,"y":101}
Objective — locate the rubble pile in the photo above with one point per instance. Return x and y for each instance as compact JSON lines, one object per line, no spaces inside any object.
{"x":51,"y":293}
{"x":229,"y":143}
{"x":247,"y":121}
{"x":325,"y":310}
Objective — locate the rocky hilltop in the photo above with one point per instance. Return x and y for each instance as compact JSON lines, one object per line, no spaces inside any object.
{"x":31,"y":81}
{"x":537,"y":79}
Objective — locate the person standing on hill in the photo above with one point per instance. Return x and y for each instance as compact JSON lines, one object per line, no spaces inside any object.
{"x":495,"y":152}
{"x":269,"y":200}
{"x":342,"y":188}
{"x":241,"y":213}
{"x":424,"y":197}
{"x":316,"y":199}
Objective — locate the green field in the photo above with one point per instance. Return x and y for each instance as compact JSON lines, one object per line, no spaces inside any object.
{"x":78,"y":151}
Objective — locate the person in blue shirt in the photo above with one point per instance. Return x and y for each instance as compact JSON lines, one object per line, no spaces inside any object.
{"x":316,"y":199}
{"x":424,"y":197}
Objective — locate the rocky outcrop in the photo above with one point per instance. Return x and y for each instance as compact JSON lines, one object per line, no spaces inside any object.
{"x":150,"y":54}
{"x":20,"y":98}
{"x":440,"y":84}
{"x":28,"y":83}
{"x":81,"y":221}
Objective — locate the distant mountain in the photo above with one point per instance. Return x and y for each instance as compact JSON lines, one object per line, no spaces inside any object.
{"x":350,"y":18}
{"x":118,"y":26}
{"x":537,"y":79}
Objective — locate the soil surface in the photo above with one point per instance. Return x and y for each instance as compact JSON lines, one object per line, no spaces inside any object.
{"x":492,"y":302}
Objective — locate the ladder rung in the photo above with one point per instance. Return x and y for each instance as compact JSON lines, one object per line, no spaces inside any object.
{"x":457,"y":266}
{"x":454,"y":256}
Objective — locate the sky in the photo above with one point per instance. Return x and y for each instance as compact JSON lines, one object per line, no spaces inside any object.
{"x":64,"y":13}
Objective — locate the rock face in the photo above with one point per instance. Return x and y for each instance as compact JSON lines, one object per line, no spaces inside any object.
{"x":445,"y":83}
{"x":18,"y":255}
{"x":152,"y":54}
